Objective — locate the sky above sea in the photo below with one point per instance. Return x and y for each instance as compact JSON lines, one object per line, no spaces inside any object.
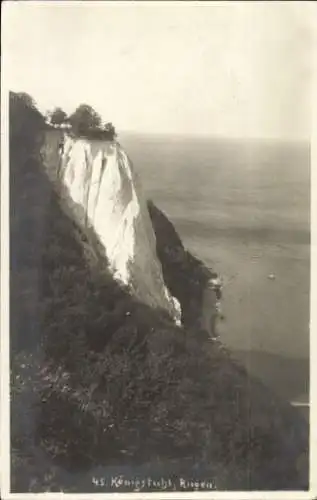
{"x":230,"y":69}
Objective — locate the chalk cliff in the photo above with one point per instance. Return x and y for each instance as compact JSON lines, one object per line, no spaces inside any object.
{"x":100,"y":180}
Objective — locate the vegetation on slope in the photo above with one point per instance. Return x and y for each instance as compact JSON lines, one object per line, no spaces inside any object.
{"x":99,"y":379}
{"x":185,"y":276}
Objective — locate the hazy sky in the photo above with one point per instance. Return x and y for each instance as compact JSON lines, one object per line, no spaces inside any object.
{"x":224,"y":68}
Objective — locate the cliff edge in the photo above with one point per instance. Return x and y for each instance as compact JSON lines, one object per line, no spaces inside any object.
{"x":102,"y":190}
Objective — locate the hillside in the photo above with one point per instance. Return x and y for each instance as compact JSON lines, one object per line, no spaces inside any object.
{"x":99,"y":379}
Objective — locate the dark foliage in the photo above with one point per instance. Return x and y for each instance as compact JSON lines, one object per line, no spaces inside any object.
{"x":95,"y":134}
{"x":99,"y":379}
{"x":84,"y":120}
{"x":185,"y":275}
{"x":26,"y":122}
{"x":58,"y":116}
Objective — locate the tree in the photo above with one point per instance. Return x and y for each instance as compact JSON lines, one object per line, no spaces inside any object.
{"x":26,"y":122}
{"x":85,"y":119}
{"x":110,"y":130}
{"x":58,"y":116}
{"x":23,"y":98}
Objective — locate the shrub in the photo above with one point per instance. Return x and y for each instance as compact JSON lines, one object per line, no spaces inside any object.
{"x":25,"y":121}
{"x":84,"y":120}
{"x":58,"y":116}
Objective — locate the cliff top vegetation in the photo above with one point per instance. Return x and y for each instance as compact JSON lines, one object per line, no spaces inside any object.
{"x":83,"y":122}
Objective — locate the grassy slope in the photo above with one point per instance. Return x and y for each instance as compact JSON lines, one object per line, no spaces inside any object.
{"x":99,"y":379}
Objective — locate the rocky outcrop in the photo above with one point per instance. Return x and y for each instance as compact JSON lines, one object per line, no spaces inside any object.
{"x":197,"y":288}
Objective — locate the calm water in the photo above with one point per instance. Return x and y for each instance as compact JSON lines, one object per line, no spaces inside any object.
{"x":243,"y":207}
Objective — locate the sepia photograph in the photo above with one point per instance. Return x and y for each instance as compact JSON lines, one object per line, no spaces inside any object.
{"x":156,"y":271}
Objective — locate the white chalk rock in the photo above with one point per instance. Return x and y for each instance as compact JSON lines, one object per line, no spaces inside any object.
{"x":100,"y":178}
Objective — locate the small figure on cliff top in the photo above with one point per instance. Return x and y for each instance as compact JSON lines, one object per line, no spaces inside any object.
{"x":61,"y":146}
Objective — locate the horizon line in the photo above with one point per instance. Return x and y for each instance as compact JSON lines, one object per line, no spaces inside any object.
{"x":210,"y":135}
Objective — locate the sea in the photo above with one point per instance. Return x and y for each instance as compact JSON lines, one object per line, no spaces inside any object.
{"x":243,"y":207}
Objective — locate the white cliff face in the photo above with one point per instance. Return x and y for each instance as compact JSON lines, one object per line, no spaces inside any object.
{"x":100,"y":178}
